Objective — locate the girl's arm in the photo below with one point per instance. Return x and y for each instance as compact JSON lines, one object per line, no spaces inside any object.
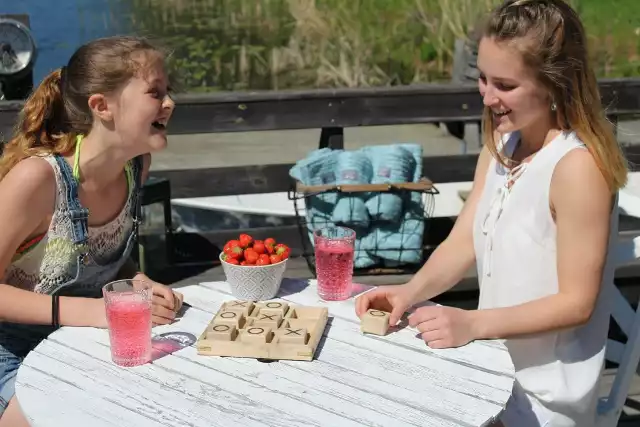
{"x":582,"y":204}
{"x":28,"y":194}
{"x":21,"y":306}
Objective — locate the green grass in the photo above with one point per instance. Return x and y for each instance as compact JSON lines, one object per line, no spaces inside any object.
{"x":276,"y":44}
{"x":613,"y":29}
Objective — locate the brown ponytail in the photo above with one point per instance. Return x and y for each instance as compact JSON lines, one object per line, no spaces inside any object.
{"x":40,"y":127}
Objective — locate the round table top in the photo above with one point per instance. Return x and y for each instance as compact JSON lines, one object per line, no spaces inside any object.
{"x":354,"y":379}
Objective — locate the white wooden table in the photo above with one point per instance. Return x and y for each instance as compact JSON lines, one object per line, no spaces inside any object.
{"x":356,"y":379}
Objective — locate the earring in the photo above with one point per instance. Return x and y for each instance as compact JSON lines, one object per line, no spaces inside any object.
{"x":554,"y":107}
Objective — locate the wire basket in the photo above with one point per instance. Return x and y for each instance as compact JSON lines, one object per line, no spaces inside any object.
{"x":390,"y":220}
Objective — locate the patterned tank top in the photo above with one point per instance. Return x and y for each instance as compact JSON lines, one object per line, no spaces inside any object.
{"x":71,"y":252}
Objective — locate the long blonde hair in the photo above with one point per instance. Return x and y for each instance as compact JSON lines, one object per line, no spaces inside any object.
{"x":551,"y":39}
{"x":57,"y":111}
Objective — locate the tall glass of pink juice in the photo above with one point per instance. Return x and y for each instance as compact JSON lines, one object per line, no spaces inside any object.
{"x":334,"y":251}
{"x":128,"y":307}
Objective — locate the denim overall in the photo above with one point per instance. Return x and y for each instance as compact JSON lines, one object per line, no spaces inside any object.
{"x":86,"y":276}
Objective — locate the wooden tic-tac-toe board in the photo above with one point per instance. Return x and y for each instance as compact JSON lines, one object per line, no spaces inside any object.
{"x":264,"y":330}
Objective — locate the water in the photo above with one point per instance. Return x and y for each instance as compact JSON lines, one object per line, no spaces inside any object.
{"x":334,"y":268}
{"x":129,"y":330}
{"x":61,"y":26}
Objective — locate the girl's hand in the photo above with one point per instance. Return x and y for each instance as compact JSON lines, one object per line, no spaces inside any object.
{"x":443,"y":327}
{"x":165,"y":302}
{"x":395,"y":299}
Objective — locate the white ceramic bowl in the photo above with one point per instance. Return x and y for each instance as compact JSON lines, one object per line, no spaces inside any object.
{"x":254,"y":282}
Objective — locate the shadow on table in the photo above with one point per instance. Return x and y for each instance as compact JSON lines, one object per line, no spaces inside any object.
{"x":323,"y":339}
{"x":168,"y":343}
{"x":292,"y":286}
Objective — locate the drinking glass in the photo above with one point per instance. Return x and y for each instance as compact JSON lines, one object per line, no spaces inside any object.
{"x":334,"y":251}
{"x":128,"y":307}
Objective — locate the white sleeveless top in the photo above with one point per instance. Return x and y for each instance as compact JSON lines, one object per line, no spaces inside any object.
{"x":557,"y":373}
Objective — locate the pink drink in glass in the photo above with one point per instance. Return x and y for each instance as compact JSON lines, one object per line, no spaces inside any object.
{"x":334,"y":251}
{"x":128,"y":307}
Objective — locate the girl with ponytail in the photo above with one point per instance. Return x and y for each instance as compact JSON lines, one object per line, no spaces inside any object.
{"x":70,"y":181}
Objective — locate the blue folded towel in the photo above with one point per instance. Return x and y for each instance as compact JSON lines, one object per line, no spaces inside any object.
{"x":401,"y":242}
{"x":416,"y":152}
{"x":391,"y":164}
{"x":352,"y":167}
{"x":397,"y":235}
{"x":365,"y":242}
{"x":318,"y":168}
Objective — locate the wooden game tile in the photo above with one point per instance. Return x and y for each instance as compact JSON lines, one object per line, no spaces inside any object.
{"x":375,"y":322}
{"x":256,"y":335}
{"x":244,"y":307}
{"x":222,"y":332}
{"x":278,"y":307}
{"x":232,"y":318}
{"x":292,"y":335}
{"x":269,"y":319}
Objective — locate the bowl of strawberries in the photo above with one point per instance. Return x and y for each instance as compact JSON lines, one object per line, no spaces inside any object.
{"x":254,"y":268}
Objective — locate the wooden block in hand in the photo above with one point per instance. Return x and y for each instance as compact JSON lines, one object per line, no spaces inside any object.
{"x":375,"y":322}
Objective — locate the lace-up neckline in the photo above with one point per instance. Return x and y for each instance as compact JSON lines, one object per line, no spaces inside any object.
{"x":499,"y":200}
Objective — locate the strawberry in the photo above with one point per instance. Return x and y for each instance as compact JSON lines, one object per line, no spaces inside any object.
{"x":263,"y":261}
{"x":259,"y":247}
{"x":270,"y":243}
{"x":233,"y":251}
{"x":275,"y":258}
{"x":282,"y":250}
{"x":245,"y":240}
{"x":233,"y":261}
{"x":227,"y":246}
{"x":250,"y":256}
{"x":264,"y":258}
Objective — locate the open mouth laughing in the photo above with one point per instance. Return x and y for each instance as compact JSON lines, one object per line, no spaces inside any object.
{"x":160,"y":124}
{"x":501,"y":113}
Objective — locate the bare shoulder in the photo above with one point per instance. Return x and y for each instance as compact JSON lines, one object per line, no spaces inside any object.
{"x":578,"y":184}
{"x":31,"y":177}
{"x":28,"y":195}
